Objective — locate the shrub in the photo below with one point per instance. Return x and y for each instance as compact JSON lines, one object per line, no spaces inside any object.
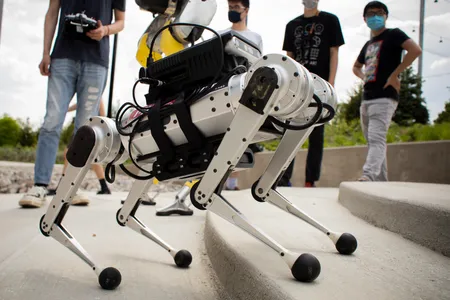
{"x":10,"y":131}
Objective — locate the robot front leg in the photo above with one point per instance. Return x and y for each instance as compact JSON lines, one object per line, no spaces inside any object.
{"x":126,"y":217}
{"x":265,"y":188}
{"x":88,"y":146}
{"x":245,"y":124}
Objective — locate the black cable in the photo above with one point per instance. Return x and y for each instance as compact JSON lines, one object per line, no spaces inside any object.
{"x":313,"y":121}
{"x":126,"y":171}
{"x":203,"y":92}
{"x":330,"y":117}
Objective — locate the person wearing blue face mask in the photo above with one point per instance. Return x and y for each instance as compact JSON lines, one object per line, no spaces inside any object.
{"x":382,"y":58}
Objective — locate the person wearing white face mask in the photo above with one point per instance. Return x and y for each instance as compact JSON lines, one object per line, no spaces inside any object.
{"x":313,"y":39}
{"x":382,"y":58}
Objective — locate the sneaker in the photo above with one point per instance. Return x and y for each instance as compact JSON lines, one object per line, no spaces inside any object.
{"x":363,"y":179}
{"x":104,"y":192}
{"x":146,"y":200}
{"x":309,"y":184}
{"x":80,"y":200}
{"x":34,"y":198}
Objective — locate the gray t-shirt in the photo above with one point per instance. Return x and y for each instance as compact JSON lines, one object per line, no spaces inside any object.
{"x":251,"y":35}
{"x":86,"y":49}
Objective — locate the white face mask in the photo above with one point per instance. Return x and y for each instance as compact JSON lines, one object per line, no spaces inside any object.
{"x":310,"y":4}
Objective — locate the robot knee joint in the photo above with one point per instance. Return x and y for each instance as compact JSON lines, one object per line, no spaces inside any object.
{"x":81,"y":147}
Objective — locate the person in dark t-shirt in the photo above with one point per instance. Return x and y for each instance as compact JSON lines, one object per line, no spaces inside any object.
{"x":313,"y":39}
{"x":382,"y":58}
{"x":78,"y":65}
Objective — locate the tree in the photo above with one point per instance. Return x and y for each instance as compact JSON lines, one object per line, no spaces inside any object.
{"x":9,"y":131}
{"x":411,"y":108}
{"x":350,"y":110}
{"x":28,"y":137}
{"x":444,"y":116}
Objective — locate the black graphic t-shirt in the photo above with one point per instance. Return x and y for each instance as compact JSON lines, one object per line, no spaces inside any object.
{"x":310,"y":39}
{"x":381,"y":55}
{"x":88,"y":50}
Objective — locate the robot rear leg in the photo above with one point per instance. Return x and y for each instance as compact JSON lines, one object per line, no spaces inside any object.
{"x":87,"y":147}
{"x":264,"y":190}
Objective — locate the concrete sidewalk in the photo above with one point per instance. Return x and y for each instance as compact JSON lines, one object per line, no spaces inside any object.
{"x":385,"y":265}
{"x":35,"y":267}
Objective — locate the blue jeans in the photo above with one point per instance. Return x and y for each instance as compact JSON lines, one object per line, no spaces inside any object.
{"x":67,"y":77}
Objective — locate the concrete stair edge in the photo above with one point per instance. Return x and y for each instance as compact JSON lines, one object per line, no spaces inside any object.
{"x":421,"y":223}
{"x":238,"y":276}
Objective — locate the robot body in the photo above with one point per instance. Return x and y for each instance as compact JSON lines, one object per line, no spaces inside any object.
{"x":203,"y":111}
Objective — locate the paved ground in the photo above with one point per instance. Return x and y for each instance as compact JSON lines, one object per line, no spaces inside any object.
{"x":385,"y":265}
{"x":35,"y":267}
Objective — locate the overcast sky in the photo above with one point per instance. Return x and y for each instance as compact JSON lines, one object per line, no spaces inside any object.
{"x":23,"y":89}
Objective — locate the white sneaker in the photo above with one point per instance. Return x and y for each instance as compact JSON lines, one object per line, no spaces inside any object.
{"x":80,"y":200}
{"x":34,"y":198}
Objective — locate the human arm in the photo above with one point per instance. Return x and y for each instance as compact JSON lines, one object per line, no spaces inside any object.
{"x":336,"y":41}
{"x":102,"y":109}
{"x":111,"y":29}
{"x":334,"y":58}
{"x":51,"y":19}
{"x":72,"y":107}
{"x":357,"y":69}
{"x":413,"y":52}
{"x":288,"y":43}
{"x":359,"y":63}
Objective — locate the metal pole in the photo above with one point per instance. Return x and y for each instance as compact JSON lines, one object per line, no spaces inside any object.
{"x":1,"y":15}
{"x":111,"y":82}
{"x":421,"y":35}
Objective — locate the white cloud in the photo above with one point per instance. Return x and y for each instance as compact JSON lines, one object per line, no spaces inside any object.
{"x":440,"y":63}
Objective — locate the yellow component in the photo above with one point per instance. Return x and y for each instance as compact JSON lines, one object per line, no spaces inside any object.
{"x":168,"y":46}
{"x":189,"y":184}
{"x":155,"y":181}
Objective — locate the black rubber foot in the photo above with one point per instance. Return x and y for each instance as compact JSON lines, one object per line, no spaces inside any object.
{"x":109,"y":278}
{"x":306,"y":268}
{"x":174,"y":212}
{"x":346,"y":244}
{"x":183,"y":258}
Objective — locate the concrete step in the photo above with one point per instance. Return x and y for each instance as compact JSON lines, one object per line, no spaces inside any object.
{"x":419,"y":212}
{"x":35,"y":267}
{"x":385,"y":265}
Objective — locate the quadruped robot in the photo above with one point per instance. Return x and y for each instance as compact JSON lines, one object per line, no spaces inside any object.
{"x":206,"y":104}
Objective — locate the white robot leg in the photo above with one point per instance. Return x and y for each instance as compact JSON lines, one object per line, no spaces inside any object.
{"x":264,"y":190}
{"x":88,"y":146}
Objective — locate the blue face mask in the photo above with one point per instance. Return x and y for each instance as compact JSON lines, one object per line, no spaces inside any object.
{"x":375,"y":22}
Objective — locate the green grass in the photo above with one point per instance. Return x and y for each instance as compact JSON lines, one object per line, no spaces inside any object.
{"x":24,"y":154}
{"x":350,"y":134}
